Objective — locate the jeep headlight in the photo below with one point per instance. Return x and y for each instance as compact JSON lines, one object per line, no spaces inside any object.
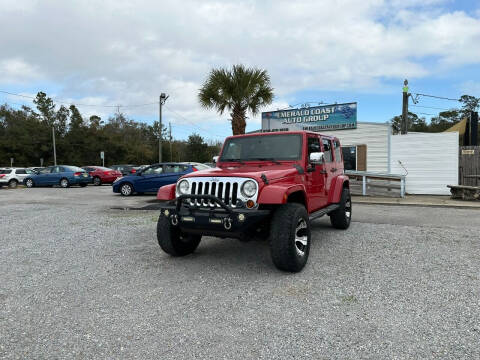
{"x":183,"y":187}
{"x":249,"y":188}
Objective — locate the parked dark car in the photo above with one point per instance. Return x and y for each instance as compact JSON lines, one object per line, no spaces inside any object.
{"x":102,"y":175}
{"x":151,"y":179}
{"x":125,"y":169}
{"x":63,"y":175}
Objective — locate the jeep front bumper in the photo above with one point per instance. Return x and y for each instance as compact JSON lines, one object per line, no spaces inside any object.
{"x":221,"y":220}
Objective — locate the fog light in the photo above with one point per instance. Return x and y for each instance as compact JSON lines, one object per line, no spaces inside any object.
{"x":241,"y":217}
{"x":250,"y":204}
{"x":166,"y":212}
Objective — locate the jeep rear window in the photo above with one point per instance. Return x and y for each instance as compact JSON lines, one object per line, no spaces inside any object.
{"x":263,"y":147}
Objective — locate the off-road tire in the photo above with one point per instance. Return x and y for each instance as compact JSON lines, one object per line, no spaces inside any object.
{"x":341,"y":217}
{"x":283,"y":243}
{"x":12,"y":184}
{"x":172,"y":241}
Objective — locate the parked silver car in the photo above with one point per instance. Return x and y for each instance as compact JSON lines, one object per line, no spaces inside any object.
{"x":11,"y":177}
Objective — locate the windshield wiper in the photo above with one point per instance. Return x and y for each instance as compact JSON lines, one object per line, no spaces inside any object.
{"x":268,"y":159}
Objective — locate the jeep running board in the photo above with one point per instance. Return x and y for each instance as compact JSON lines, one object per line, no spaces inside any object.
{"x":324,"y":211}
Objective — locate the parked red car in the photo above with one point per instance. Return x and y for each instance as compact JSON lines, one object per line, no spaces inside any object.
{"x":102,"y":175}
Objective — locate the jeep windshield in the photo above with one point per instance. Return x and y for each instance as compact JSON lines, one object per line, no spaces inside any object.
{"x":263,"y":148}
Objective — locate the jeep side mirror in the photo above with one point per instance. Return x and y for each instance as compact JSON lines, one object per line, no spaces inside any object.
{"x":317,"y":158}
{"x":215,"y":159}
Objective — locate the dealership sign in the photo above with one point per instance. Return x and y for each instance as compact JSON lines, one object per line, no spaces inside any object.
{"x":316,"y":118}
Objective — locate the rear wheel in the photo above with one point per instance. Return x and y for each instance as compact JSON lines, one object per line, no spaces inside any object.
{"x":173,"y":241}
{"x":12,"y":184}
{"x":29,"y":183}
{"x":64,"y":183}
{"x":290,"y":237}
{"x":97,"y":181}
{"x":341,"y":218}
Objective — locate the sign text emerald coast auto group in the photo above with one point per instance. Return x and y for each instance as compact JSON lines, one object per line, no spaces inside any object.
{"x":317,"y":118}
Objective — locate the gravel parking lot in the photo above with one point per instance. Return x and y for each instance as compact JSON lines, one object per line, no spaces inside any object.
{"x":81,"y":278}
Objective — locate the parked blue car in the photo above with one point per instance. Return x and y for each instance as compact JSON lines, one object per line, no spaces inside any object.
{"x":63,"y":175}
{"x":150,"y":179}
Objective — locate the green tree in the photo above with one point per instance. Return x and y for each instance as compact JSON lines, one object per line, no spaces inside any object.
{"x":239,"y":90}
{"x":46,"y":107}
{"x":196,"y":149}
{"x":415,"y":123}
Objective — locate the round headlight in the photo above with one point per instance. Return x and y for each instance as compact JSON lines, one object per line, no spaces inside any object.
{"x":249,"y":188}
{"x":183,"y":187}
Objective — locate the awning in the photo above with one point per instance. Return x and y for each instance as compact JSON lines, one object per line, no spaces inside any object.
{"x":460,"y":127}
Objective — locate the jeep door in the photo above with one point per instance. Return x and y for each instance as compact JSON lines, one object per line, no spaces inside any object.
{"x":315,"y":176}
{"x":329,"y":164}
{"x":337,"y":151}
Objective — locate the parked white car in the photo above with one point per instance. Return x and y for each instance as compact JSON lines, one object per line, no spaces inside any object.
{"x":11,"y":177}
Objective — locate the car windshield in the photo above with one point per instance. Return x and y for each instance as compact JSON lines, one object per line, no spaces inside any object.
{"x":263,"y":147}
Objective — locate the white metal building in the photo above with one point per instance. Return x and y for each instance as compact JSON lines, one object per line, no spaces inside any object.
{"x":431,"y":160}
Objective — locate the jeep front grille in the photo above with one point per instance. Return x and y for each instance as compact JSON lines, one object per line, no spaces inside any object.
{"x":227,"y":189}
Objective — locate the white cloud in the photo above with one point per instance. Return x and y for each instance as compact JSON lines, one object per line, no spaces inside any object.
{"x":129,"y":52}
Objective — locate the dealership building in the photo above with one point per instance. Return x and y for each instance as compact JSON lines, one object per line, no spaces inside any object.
{"x":429,"y":161}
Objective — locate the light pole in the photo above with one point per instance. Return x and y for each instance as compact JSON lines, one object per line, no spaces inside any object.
{"x":54,"y":149}
{"x":163,"y":98}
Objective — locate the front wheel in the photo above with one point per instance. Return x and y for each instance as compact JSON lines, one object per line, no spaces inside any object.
{"x":126,"y":189}
{"x":173,"y":241}
{"x":341,"y":218}
{"x":29,"y":183}
{"x":290,"y":237}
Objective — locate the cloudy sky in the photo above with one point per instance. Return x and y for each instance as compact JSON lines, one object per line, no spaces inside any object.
{"x":103,"y":53}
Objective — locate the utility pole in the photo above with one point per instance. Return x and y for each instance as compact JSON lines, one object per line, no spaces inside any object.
{"x":170,"y":138}
{"x":404,"y":126}
{"x":163,"y":98}
{"x":54,"y":149}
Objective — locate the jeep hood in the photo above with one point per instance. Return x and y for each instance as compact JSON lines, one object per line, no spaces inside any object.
{"x":271,"y":171}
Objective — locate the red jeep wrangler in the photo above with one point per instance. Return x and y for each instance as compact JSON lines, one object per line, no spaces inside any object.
{"x":270,"y":184}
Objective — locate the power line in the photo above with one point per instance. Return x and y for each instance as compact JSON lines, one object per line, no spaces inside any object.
{"x":422,"y":113}
{"x":436,"y":97}
{"x":197,"y":126}
{"x":430,"y":107}
{"x":79,"y":104}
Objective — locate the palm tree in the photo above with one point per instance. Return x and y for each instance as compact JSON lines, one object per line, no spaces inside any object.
{"x":237,"y":90}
